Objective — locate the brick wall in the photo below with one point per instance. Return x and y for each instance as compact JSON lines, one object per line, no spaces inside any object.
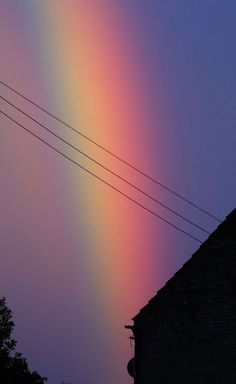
{"x":187,"y":332}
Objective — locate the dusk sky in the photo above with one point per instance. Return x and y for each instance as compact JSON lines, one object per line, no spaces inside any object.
{"x":155,"y":83}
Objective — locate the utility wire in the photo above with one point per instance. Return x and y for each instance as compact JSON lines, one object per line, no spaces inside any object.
{"x":106,"y":168}
{"x":102,"y":180}
{"x":111,"y":153}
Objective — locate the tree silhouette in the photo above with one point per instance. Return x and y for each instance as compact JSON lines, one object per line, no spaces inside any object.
{"x":13,"y":366}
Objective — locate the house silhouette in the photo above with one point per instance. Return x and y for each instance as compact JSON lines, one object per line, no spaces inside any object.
{"x":186,"y":334}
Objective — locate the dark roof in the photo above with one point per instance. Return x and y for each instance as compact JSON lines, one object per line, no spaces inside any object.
{"x":224,"y":234}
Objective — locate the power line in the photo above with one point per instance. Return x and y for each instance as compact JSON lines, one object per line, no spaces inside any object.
{"x":106,"y":168}
{"x":111,"y":153}
{"x":102,"y":180}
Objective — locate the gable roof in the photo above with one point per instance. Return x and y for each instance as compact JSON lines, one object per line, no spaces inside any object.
{"x":219,"y":246}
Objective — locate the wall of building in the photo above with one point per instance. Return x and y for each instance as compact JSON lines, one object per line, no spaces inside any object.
{"x":186,"y":334}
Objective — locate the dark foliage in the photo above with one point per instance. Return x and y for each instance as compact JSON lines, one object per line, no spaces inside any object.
{"x":13,"y":366}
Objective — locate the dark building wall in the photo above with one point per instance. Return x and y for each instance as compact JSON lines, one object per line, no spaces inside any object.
{"x":187,"y":332}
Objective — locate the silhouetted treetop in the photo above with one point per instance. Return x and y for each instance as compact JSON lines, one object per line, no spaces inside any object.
{"x":13,"y":366}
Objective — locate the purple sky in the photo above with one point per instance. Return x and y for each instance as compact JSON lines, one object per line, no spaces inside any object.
{"x":188,"y":59}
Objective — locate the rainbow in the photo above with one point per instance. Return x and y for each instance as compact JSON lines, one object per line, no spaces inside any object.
{"x":75,"y":59}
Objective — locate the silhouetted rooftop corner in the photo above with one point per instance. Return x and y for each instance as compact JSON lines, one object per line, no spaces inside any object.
{"x":227,"y":229}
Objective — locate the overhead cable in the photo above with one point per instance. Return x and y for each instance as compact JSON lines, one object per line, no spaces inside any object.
{"x":110,"y":152}
{"x":100,"y":179}
{"x":106,"y":168}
